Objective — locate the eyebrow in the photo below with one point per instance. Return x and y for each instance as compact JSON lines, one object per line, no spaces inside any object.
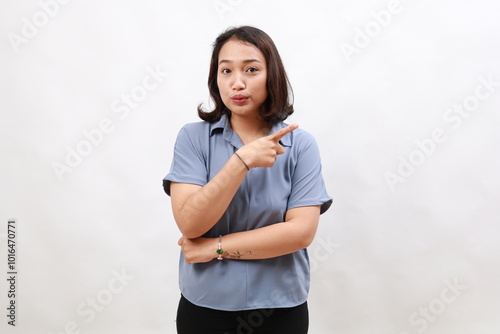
{"x":246,"y":61}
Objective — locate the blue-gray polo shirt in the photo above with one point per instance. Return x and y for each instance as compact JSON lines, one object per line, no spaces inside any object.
{"x":295,"y":180}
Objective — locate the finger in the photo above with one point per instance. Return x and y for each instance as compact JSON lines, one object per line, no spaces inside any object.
{"x":180,"y":241}
{"x":280,"y":150}
{"x":283,"y":132}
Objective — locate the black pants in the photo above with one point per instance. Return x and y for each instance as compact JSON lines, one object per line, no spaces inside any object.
{"x":192,"y":319}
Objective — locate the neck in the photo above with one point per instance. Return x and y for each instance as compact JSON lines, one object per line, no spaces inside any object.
{"x":249,"y":128}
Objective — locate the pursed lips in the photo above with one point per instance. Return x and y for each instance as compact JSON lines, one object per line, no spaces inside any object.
{"x":239,"y":99}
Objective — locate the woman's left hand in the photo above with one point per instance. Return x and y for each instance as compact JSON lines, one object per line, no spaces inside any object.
{"x":198,"y":250}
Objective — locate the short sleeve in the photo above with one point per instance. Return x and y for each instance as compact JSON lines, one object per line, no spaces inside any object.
{"x":308,"y":187}
{"x":189,"y":160}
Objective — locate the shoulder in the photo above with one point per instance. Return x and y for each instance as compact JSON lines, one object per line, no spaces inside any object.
{"x":302,"y":135}
{"x":192,"y":136}
{"x":195,"y":130}
{"x":195,"y":127}
{"x":302,"y":139}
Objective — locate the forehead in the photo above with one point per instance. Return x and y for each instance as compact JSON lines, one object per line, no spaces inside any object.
{"x":239,"y":51}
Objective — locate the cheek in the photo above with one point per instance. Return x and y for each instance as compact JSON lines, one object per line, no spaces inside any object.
{"x":219,"y":83}
{"x":264,"y":89}
{"x":221,"y":87}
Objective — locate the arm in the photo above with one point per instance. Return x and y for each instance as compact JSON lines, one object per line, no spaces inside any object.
{"x":295,"y":233}
{"x":197,"y":209}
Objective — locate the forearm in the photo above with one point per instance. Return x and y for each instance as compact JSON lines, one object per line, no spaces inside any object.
{"x":267,"y":242}
{"x":296,"y":233}
{"x":205,"y":206}
{"x":264,"y":243}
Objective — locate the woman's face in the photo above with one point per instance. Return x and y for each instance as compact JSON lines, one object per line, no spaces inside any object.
{"x":241,"y":78}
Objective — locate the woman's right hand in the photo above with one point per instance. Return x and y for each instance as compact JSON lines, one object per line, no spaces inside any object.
{"x":263,"y":151}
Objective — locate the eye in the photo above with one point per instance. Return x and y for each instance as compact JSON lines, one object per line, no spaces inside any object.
{"x":226,"y":71}
{"x":252,"y":69}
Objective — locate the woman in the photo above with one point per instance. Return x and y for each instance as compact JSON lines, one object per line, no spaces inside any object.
{"x":247,"y":193}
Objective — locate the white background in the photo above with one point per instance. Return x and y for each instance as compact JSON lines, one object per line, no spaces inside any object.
{"x":387,"y":251}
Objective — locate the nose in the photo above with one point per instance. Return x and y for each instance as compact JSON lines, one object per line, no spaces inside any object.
{"x":238,"y":83}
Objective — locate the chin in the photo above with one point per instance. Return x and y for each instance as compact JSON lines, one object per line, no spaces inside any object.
{"x":244,"y":113}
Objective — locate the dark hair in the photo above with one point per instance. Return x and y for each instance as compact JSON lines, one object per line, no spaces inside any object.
{"x":277,"y":106}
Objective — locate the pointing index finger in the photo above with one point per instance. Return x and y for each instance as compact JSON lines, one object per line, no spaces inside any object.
{"x":283,"y":132}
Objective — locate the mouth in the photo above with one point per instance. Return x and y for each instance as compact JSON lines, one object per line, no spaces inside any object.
{"x":239,"y":99}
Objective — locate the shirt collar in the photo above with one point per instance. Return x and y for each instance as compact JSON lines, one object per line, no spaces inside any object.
{"x":235,"y":140}
{"x":220,"y":124}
